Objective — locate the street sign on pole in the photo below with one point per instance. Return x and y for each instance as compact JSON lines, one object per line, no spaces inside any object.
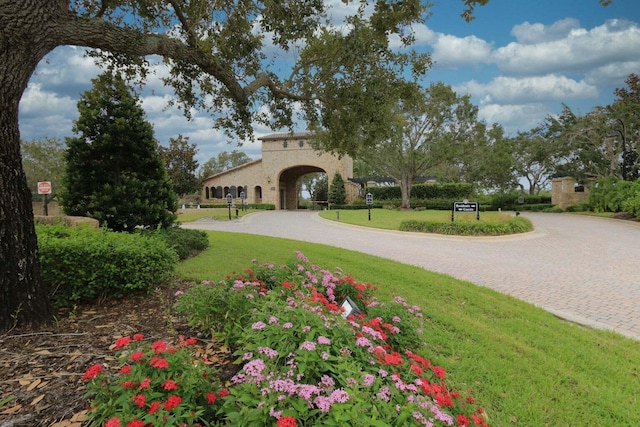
{"x":44,"y":187}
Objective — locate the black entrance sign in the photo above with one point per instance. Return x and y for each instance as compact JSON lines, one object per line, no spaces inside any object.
{"x":465,"y":207}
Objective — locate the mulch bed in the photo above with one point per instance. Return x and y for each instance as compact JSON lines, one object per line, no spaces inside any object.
{"x":41,"y":368}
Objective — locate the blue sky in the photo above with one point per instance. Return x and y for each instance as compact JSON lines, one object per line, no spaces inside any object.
{"x":520,"y":60}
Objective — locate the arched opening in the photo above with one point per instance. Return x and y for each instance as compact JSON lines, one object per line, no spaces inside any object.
{"x":293,"y":189}
{"x":257,"y":194}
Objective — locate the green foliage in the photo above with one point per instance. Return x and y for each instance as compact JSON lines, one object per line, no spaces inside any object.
{"x":509,"y":201}
{"x":632,"y":203}
{"x":154,"y":383}
{"x":185,"y":242}
{"x":609,"y":194}
{"x":115,"y":173}
{"x":43,"y":160}
{"x":451,"y":191}
{"x":80,"y":264}
{"x":302,"y":359}
{"x":337,"y":192}
{"x":469,"y":228}
{"x":259,"y":206}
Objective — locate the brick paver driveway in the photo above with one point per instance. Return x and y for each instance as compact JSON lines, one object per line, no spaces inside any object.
{"x":583,"y":269}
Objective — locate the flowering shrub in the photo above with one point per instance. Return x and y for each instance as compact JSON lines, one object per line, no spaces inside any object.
{"x":305,"y":364}
{"x":156,"y":384}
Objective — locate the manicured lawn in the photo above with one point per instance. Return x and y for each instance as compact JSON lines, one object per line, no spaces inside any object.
{"x":526,"y":367}
{"x":189,"y":215}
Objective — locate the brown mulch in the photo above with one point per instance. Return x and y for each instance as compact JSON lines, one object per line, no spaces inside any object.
{"x":41,"y":368}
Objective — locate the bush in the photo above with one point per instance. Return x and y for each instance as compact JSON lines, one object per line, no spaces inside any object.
{"x":80,"y":264}
{"x":185,"y":242}
{"x":632,"y":203}
{"x":509,"y":201}
{"x":449,"y":191}
{"x":608,"y":194}
{"x":468,"y":228}
{"x":305,"y":362}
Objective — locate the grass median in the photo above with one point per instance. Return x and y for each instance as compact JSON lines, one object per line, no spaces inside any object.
{"x":525,"y":366}
{"x":432,"y":221}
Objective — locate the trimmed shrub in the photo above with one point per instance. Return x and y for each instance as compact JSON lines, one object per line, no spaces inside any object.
{"x":451,"y":191}
{"x":184,"y":242}
{"x":469,"y":228}
{"x":80,"y":264}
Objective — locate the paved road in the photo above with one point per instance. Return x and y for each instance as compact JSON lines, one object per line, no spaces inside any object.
{"x":583,"y":269}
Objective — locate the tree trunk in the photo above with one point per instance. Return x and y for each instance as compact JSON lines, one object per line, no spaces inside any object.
{"x":405,"y":190}
{"x":23,"y":43}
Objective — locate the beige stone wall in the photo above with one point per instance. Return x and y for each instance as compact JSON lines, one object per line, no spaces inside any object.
{"x":53,"y":208}
{"x":273,"y":179}
{"x":563,"y":192}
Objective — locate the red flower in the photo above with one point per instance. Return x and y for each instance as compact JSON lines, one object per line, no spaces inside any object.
{"x":211,"y":398}
{"x":92,"y":372}
{"x":439,"y":371}
{"x":129,"y":384}
{"x":113,"y":422}
{"x":136,"y":356}
{"x":462,"y":421}
{"x":138,"y":337}
{"x":135,"y":423}
{"x":122,"y":342}
{"x":145,"y":383}
{"x":444,"y":400}
{"x":169,"y":385}
{"x":126,"y":370}
{"x":287,"y":422}
{"x":416,"y":369}
{"x":140,"y":400}
{"x":159,"y":346}
{"x":153,"y":407}
{"x":223,"y":393}
{"x":172,"y":402}
{"x":159,"y":363}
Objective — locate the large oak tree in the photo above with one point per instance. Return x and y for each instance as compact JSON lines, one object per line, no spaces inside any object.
{"x":218,"y":60}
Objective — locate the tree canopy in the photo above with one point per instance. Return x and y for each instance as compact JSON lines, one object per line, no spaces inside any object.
{"x":181,"y":164}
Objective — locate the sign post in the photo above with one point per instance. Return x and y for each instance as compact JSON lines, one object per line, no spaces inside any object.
{"x":44,"y":188}
{"x":243,"y":197}
{"x":369,"y":199}
{"x":229,"y":202}
{"x":465,"y":207}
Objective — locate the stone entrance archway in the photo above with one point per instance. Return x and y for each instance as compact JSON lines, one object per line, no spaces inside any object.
{"x":288,"y":185}
{"x":272,"y":180}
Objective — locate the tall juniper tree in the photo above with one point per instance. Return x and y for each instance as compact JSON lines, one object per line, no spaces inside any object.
{"x":115,"y":172}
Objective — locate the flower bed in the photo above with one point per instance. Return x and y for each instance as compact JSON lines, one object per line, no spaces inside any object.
{"x":303,"y":361}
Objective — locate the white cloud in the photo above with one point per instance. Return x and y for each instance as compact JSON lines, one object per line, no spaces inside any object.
{"x":580,"y":51}
{"x":527,"y":33}
{"x":509,"y":90}
{"x":451,"y":51}
{"x":514,"y":118}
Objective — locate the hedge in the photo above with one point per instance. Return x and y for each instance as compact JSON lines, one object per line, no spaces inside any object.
{"x":468,"y":228}
{"x":80,"y":264}
{"x":459,"y":190}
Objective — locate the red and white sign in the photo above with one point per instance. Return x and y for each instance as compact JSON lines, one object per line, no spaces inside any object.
{"x":44,"y":187}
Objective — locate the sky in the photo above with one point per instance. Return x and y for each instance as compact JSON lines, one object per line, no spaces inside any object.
{"x":519,"y":60}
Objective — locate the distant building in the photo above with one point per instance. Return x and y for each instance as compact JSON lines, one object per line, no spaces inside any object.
{"x":273,"y":179}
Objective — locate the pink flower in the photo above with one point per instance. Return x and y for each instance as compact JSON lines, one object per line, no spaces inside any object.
{"x":113,"y":422}
{"x":135,"y":423}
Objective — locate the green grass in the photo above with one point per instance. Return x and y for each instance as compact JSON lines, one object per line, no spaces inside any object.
{"x":211,"y":213}
{"x":526,"y":367}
